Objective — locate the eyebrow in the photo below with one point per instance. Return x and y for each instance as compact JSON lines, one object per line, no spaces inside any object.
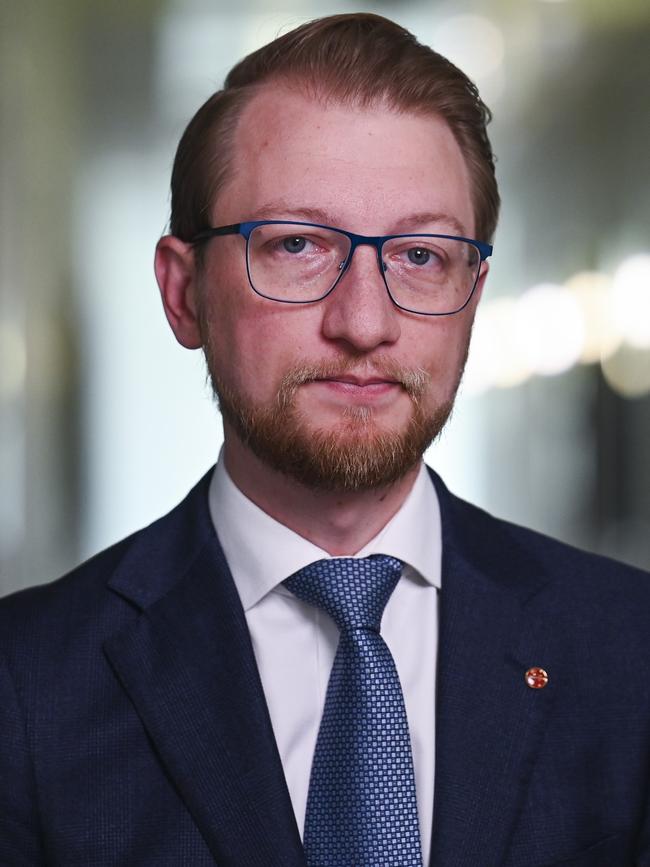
{"x":439,"y":219}
{"x":403,"y":225}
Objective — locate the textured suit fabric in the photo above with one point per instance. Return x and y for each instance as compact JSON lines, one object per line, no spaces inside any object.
{"x":134,"y":730}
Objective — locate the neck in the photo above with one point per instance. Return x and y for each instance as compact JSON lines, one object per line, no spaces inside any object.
{"x":340,"y":523}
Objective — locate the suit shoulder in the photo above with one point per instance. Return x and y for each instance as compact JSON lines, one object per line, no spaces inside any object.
{"x":519,"y":551}
{"x":151,"y":559}
{"x":580,"y":564}
{"x":70,"y":595}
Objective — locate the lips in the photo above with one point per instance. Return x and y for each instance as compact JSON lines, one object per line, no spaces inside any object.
{"x":358,"y":388}
{"x":361,"y":383}
{"x":384,"y":377}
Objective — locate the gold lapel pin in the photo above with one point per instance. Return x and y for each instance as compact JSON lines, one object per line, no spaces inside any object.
{"x":536,"y":678}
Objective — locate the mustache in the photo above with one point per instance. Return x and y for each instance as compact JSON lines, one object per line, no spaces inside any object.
{"x":414,"y":381}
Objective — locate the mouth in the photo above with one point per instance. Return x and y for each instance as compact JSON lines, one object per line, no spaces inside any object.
{"x":381,"y":383}
{"x":362,"y":388}
{"x":360,"y":382}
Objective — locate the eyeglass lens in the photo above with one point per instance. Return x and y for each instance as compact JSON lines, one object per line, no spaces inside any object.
{"x":423,"y":274}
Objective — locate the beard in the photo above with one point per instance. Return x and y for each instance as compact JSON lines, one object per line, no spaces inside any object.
{"x":356,"y":454}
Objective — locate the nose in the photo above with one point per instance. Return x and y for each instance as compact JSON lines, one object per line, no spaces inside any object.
{"x":359,"y":311}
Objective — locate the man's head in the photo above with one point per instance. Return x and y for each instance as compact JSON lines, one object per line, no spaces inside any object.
{"x":346,"y":122}
{"x":358,"y":60}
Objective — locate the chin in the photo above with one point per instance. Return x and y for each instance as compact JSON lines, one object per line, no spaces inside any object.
{"x":356,"y":453}
{"x":355,"y":448}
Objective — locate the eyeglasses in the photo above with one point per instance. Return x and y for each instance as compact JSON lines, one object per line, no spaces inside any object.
{"x":299,"y":263}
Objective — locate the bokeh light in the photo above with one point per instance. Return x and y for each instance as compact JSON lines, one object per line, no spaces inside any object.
{"x":550,"y":330}
{"x":628,"y":371}
{"x":494,"y":360}
{"x":592,"y":291}
{"x":631,"y":300}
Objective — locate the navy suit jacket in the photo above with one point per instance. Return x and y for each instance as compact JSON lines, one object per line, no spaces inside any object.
{"x":134,"y":729}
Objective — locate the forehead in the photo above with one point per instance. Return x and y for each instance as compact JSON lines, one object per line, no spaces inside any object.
{"x":366,"y":168}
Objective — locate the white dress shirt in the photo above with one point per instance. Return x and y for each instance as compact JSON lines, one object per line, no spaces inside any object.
{"x":295,"y":643}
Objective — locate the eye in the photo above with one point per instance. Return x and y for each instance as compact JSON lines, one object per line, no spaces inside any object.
{"x":294,"y":245}
{"x":418,"y":255}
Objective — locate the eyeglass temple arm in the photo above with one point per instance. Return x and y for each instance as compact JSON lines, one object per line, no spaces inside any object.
{"x":206,"y":234}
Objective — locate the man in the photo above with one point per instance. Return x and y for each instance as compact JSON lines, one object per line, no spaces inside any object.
{"x":214,"y":689}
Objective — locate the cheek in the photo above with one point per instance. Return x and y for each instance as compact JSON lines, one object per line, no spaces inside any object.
{"x":254,"y":342}
{"x":442,"y":351}
{"x":438,"y":340}
{"x":229,"y":316}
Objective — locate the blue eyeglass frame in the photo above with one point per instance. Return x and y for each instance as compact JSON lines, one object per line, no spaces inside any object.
{"x":377,"y":241}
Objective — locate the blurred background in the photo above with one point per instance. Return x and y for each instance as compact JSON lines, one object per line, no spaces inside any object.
{"x":105,"y":422}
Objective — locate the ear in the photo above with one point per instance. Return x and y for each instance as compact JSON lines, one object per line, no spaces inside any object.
{"x":485,"y":267}
{"x":175,"y":269}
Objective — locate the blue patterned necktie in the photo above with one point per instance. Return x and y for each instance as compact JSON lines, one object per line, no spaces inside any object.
{"x":361,"y":806}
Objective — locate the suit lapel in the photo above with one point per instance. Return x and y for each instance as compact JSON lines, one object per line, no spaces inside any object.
{"x":189,"y":669}
{"x":493,"y":627}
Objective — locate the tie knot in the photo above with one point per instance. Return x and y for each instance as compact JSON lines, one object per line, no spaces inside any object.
{"x":354,"y":592}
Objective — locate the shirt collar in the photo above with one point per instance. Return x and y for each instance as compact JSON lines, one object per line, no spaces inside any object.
{"x":261,"y":552}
